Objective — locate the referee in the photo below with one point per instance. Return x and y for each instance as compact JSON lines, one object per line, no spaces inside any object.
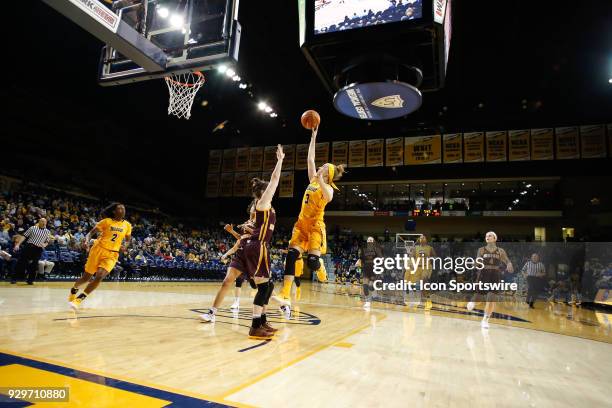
{"x":36,"y":239}
{"x":535,"y":272}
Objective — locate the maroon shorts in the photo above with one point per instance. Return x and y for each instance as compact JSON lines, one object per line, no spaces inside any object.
{"x":252,"y":259}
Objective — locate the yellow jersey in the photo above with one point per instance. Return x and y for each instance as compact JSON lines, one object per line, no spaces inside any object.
{"x":112,"y":233}
{"x":313,"y":203}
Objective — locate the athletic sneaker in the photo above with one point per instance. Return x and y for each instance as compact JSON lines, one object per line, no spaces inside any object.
{"x":71,"y":297}
{"x":366,"y":305}
{"x":267,"y":326}
{"x":470,"y":306}
{"x":286,"y":309}
{"x":207,"y":318}
{"x":236,"y":304}
{"x":484,"y":323}
{"x":260,"y":333}
{"x":428,"y":305}
{"x":76,"y":303}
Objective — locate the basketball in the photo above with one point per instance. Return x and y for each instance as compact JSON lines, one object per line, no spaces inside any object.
{"x":311,"y":119}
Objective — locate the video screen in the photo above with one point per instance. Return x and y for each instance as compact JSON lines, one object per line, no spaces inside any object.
{"x":340,"y":15}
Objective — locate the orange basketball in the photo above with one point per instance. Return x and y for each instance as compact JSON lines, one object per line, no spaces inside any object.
{"x":310,"y":119}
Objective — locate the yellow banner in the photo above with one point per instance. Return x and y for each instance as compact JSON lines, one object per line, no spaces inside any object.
{"x":453,"y":152}
{"x":212,"y":185}
{"x":496,"y":146}
{"x":340,"y":152}
{"x":241,"y":185}
{"x":518,"y":145}
{"x":255,"y":158}
{"x":227,"y":185}
{"x":269,"y":159}
{"x":229,"y":160}
{"x":214,"y":160}
{"x":289,"y":160}
{"x":592,"y":142}
{"x":285,"y":188}
{"x":567,"y":143}
{"x":395,"y":151}
{"x":301,"y":157}
{"x":242,"y":159}
{"x":423,"y":150}
{"x":473,"y":147}
{"x":542,"y":144}
{"x":375,"y":152}
{"x":357,"y":153}
{"x":321,"y":153}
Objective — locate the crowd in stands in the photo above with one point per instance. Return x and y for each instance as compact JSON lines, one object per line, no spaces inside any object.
{"x":398,"y":10}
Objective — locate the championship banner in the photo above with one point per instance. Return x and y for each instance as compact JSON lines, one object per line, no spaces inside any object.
{"x":301,"y":157}
{"x":357,"y":153}
{"x":473,"y":147}
{"x":592,"y":142}
{"x":340,"y":152}
{"x":375,"y":153}
{"x":542,"y":144}
{"x":242,"y":159}
{"x":269,"y":158}
{"x":229,"y":160}
{"x":321,"y":153}
{"x":518,"y":145}
{"x":214,"y":160}
{"x":423,"y":150}
{"x":255,"y":158}
{"x":227,"y":185}
{"x":285,"y":187}
{"x":395,"y":151}
{"x":567,"y":143}
{"x":289,"y":160}
{"x":496,"y":146}
{"x":212,"y":185}
{"x":241,"y":185}
{"x":453,"y":152}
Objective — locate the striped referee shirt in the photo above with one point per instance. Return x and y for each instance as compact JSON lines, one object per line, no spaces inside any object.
{"x":37,"y":236}
{"x":533,"y":269}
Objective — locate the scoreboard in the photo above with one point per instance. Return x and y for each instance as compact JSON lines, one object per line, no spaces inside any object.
{"x":426,"y":213}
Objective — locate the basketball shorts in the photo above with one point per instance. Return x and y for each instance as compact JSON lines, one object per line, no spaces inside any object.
{"x":100,"y":258}
{"x":419,"y":274}
{"x":252,"y":259}
{"x":309,"y":235}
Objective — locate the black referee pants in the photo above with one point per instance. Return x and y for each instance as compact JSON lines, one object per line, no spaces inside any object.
{"x":534,"y":288}
{"x":28,"y":261}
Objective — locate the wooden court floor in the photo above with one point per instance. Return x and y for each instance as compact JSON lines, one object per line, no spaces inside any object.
{"x":141,"y":344}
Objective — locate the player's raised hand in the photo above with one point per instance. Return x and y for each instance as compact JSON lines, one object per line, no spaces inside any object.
{"x":280,"y":155}
{"x":314,"y":132}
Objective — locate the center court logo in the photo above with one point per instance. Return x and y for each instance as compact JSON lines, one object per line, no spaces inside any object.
{"x":391,"y":101}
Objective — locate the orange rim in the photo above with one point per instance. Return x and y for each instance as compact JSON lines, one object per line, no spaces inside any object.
{"x":201,"y":79}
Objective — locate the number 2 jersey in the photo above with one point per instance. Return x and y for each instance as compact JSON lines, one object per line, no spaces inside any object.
{"x":112,"y":233}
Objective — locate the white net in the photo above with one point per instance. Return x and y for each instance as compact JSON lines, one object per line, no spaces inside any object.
{"x":183,"y":89}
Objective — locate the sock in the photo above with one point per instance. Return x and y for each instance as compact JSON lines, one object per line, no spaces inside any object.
{"x":212,"y":310}
{"x":263,"y":318}
{"x":286,"y":292}
{"x":256,"y":322}
{"x":73,"y":291}
{"x":82,"y":296}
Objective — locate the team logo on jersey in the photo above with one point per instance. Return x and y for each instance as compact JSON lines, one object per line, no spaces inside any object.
{"x":116,"y":229}
{"x":391,"y":101}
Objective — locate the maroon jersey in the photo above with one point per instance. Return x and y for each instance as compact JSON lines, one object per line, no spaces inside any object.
{"x":264,"y":225}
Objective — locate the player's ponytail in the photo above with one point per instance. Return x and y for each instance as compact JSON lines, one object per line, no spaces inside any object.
{"x":258,"y":186}
{"x":340,"y":170}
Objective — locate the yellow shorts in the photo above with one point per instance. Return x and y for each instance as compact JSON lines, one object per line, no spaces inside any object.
{"x":424,"y":274}
{"x":100,"y":258}
{"x":309,"y":235}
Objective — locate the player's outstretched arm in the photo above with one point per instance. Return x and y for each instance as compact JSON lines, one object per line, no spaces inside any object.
{"x":312,"y":167}
{"x":326,"y":189}
{"x":265,"y":202}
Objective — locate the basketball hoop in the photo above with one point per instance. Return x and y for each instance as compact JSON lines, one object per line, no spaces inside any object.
{"x":183,"y":88}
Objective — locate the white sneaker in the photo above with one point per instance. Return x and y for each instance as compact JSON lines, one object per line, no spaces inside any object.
{"x":286,"y":309}
{"x":236,"y":304}
{"x":484,"y":323}
{"x":366,"y":305}
{"x":207,"y":318}
{"x":470,"y":306}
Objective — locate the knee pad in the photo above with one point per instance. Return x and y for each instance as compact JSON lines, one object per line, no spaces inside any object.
{"x":239,"y":282}
{"x":313,"y":262}
{"x":260,"y":296}
{"x":270,"y":290}
{"x":252,"y":283}
{"x":292,"y":256}
{"x":299,"y":267}
{"x":297,"y":281}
